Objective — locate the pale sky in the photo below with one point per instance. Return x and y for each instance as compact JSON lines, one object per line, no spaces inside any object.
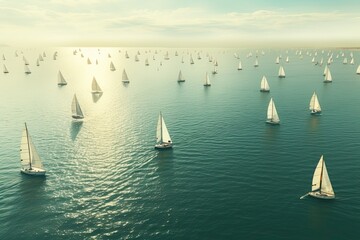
{"x":179,"y":22}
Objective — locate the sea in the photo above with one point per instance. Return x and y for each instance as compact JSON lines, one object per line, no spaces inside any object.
{"x":229,"y":174}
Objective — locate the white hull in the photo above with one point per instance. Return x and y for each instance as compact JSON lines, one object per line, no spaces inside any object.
{"x":33,"y":171}
{"x":163,"y":146}
{"x":96,"y":92}
{"x":321,"y":195}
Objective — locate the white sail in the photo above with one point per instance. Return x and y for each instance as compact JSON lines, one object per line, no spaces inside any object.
{"x":146,"y":62}
{"x":5,"y":69}
{"x":61,"y":79}
{"x":163,"y":138}
{"x":352,"y":61}
{"x":272,"y":115}
{"x":112,"y":67}
{"x":240,"y":66}
{"x":314,"y":104}
{"x":207,"y":80}
{"x":358,"y":70}
{"x":256,"y":64}
{"x":125,"y":77}
{"x":328,"y":77}
{"x":180,"y":77}
{"x":264,"y":85}
{"x":325,"y":70}
{"x":287,"y":59}
{"x":30,"y":160}
{"x":76,"y":109}
{"x":27,"y":69}
{"x":345,"y":61}
{"x":321,"y":181}
{"x":277,"y":60}
{"x":281,"y":72}
{"x":95,"y":86}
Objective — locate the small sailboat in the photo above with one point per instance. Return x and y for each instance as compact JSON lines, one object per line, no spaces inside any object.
{"x":76,"y":109}
{"x":239,"y":66}
{"x":352,"y":62}
{"x":126,"y":55}
{"x":328,"y":77}
{"x":180,"y":77}
{"x":277,"y":60}
{"x":61,"y":79}
{"x":37,"y":62}
{"x":215,"y":71}
{"x":5,"y":69}
{"x":112,"y":67}
{"x":207,"y":81}
{"x":125,"y":78}
{"x":163,"y":139}
{"x":287,"y":59}
{"x":95,"y":88}
{"x":281,"y":72}
{"x":264,"y":85}
{"x":272,"y":115}
{"x":321,"y":186}
{"x":256,"y":64}
{"x":27,"y":69}
{"x":191,"y":60}
{"x":3,"y":57}
{"x":146,"y":62}
{"x":88,"y":61}
{"x":136,"y":58}
{"x":345,"y":61}
{"x":314,"y":105}
{"x":358,"y":70}
{"x":41,"y":58}
{"x":25,"y":61}
{"x":31,"y":163}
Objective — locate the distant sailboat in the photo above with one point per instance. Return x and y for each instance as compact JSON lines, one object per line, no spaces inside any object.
{"x":27,"y":69}
{"x":358,"y":70}
{"x":5,"y":69}
{"x":264,"y":85}
{"x":163,"y":139}
{"x":41,"y":58}
{"x":256,"y":64}
{"x":95,"y":87}
{"x":272,"y":115}
{"x":191,"y":60}
{"x":287,"y":59}
{"x":352,"y":61}
{"x":136,"y":58}
{"x":61,"y":79}
{"x":345,"y":61}
{"x":239,"y":66}
{"x":321,"y":185}
{"x":277,"y":60}
{"x":88,"y":61}
{"x":76,"y":109}
{"x":3,"y":57}
{"x":146,"y":62}
{"x":37,"y":62}
{"x":25,"y":61}
{"x":281,"y":72}
{"x":112,"y":67}
{"x":215,"y":71}
{"x":125,"y":78}
{"x":207,"y":81}
{"x":314,"y":105}
{"x":31,"y":163}
{"x":126,"y":55}
{"x":328,"y":77}
{"x":180,"y":77}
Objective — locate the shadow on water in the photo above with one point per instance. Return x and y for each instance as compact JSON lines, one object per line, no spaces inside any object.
{"x":75,"y":129}
{"x":164,"y":154}
{"x":96,"y":96}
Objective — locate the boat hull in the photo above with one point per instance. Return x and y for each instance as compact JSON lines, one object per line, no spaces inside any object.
{"x":281,"y":76}
{"x":327,"y":81}
{"x":163,"y":146}
{"x":77,"y":117}
{"x":181,"y":80}
{"x":207,"y":85}
{"x":264,"y":90}
{"x":62,"y":84}
{"x":33,"y":171}
{"x":272,"y":122}
{"x":321,"y":195}
{"x":315,"y":112}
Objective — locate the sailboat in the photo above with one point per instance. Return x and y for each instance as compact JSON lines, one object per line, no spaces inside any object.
{"x":281,"y":72}
{"x":321,"y":186}
{"x":191,"y":60}
{"x":5,"y":69}
{"x":325,"y":70}
{"x":88,"y":61}
{"x":180,"y":77}
{"x":25,"y":61}
{"x":136,"y":58}
{"x":314,"y":105}
{"x":163,"y":139}
{"x":37,"y":62}
{"x":215,"y":71}
{"x":3,"y":57}
{"x":277,"y":60}
{"x":61,"y":79}
{"x":264,"y":85}
{"x":30,"y":160}
{"x":207,"y":81}
{"x":95,"y":87}
{"x":256,"y":64}
{"x":272,"y":115}
{"x":112,"y":67}
{"x":125,"y":78}
{"x":240,"y":66}
{"x":328,"y":77}
{"x":358,"y":70}
{"x":345,"y":61}
{"x":146,"y":62}
{"x":352,"y":61}
{"x":76,"y":109}
{"x":287,"y":59}
{"x":27,"y":69}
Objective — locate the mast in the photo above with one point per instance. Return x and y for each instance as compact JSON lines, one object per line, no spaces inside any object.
{"x":321,"y":175}
{"x":161,"y":128}
{"x":27,"y":138}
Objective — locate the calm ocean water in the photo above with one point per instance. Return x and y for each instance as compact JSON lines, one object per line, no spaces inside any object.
{"x":229,"y":175}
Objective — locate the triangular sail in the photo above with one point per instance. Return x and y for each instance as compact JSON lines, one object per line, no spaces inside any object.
{"x":328,"y":76}
{"x":125,"y":77}
{"x":162,"y":133}
{"x":76,"y":109}
{"x":358,"y":70}
{"x":29,"y":156}
{"x":321,"y":181}
{"x":314,"y":103}
{"x":272,"y":112}
{"x":281,"y":72}
{"x":27,"y":69}
{"x":240,"y":66}
{"x":95,"y":86}
{"x":61,"y":79}
{"x":180,"y":77}
{"x":112,"y":67}
{"x":207,"y":80}
{"x":5,"y":69}
{"x":264,"y":85}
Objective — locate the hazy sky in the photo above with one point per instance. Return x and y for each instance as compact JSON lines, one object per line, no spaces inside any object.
{"x":178,"y":22}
